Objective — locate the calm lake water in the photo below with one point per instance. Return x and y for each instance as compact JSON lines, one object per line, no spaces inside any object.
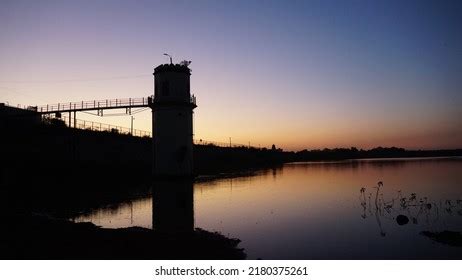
{"x":315,"y":210}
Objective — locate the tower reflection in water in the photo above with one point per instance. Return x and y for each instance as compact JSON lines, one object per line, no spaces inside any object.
{"x":172,"y":206}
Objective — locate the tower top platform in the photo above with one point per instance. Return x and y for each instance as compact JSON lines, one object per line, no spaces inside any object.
{"x":172,"y":68}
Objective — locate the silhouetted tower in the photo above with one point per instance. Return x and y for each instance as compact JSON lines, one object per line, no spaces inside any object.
{"x":172,"y":120}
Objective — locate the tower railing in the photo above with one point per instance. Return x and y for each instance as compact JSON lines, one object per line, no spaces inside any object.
{"x":192,"y":99}
{"x":151,"y":100}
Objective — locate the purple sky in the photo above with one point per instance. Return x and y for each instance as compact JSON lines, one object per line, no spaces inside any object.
{"x":299,"y":74}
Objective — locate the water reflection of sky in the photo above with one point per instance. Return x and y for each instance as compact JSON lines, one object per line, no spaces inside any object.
{"x":313,"y":210}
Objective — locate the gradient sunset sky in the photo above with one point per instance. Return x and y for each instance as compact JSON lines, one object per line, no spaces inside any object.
{"x":299,"y":74}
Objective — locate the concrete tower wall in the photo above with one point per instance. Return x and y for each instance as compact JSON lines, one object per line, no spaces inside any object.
{"x":172,"y":121}
{"x":172,"y":130}
{"x":172,"y":86}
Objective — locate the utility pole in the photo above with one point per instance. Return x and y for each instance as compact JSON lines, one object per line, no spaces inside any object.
{"x":131,"y":126}
{"x":230,"y":142}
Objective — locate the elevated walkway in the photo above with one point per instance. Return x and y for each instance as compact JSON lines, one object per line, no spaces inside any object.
{"x":95,"y":105}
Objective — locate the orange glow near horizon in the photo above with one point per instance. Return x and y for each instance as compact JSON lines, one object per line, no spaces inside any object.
{"x":297,"y":128}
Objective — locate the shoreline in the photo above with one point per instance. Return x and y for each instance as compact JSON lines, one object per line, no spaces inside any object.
{"x":32,"y":236}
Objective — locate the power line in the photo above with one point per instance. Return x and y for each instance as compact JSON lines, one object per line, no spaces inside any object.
{"x":139,"y":111}
{"x":116,"y":114}
{"x":11,"y":90}
{"x":90,"y":113}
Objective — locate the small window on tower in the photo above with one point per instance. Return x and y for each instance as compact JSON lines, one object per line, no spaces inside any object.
{"x":165,"y":88}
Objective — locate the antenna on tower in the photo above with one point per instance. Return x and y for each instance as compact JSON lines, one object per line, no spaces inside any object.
{"x":170,"y":57}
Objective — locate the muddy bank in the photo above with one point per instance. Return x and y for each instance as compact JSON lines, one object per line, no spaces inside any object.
{"x":451,"y":238}
{"x":28,"y":236}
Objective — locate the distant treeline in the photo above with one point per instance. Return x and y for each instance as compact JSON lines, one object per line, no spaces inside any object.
{"x":277,"y":155}
{"x":379,"y":152}
{"x":239,"y":155}
{"x":211,"y":159}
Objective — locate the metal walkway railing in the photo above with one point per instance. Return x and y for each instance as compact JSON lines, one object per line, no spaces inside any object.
{"x":92,"y":105}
